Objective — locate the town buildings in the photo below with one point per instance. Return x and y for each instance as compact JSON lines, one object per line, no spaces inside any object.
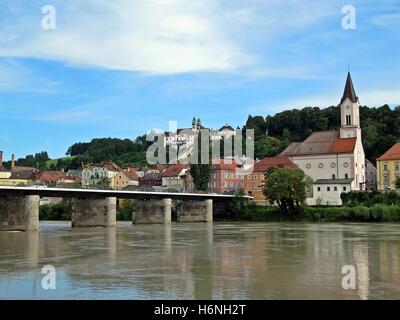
{"x":17,"y":175}
{"x":388,"y":168}
{"x":93,"y":175}
{"x":370,"y":176}
{"x":57,"y":179}
{"x":226,"y":177}
{"x":151,"y":179}
{"x":334,"y":160}
{"x":183,"y":140}
{"x":254,"y":181}
{"x":174,"y":177}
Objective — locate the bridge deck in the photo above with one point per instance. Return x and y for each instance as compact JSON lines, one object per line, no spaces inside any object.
{"x":94,"y":193}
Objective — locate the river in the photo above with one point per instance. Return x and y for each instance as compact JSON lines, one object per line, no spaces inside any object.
{"x":223,"y":260}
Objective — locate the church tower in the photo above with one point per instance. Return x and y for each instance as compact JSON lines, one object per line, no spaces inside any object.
{"x":350,"y":128}
{"x":350,"y":112}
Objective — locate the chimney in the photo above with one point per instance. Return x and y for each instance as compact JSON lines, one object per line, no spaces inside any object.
{"x":1,"y":158}
{"x":12,"y":161}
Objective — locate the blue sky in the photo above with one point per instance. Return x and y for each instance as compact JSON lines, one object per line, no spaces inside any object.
{"x":121,"y":68}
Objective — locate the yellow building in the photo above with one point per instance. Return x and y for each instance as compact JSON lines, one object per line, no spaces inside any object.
{"x":19,"y":176}
{"x":4,"y":173}
{"x":388,"y":168}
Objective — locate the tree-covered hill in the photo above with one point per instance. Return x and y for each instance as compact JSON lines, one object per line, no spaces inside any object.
{"x":380,"y":126}
{"x":380,"y":130}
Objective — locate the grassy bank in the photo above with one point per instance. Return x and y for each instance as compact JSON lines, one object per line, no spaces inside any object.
{"x":375,"y":213}
{"x":252,"y":212}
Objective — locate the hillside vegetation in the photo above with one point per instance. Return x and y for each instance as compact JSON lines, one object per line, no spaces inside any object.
{"x":380,"y":130}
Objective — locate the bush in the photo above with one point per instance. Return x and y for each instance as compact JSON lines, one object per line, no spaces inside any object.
{"x":124,"y":210}
{"x":376,"y":213}
{"x":369,"y":199}
{"x":59,"y":211}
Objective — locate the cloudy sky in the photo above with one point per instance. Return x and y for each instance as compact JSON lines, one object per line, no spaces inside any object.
{"x":123,"y":67}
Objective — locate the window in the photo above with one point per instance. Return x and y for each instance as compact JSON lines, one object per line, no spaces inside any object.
{"x":328,"y":189}
{"x":255,"y":177}
{"x":396,"y":166}
{"x":333,"y":177}
{"x":385,"y":178}
{"x":348,"y":120}
{"x":344,"y":188}
{"x":346,"y":176}
{"x":385,"y":167}
{"x":335,"y":188}
{"x":319,"y":189}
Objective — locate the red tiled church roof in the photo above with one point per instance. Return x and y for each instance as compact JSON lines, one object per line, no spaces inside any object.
{"x":321,"y":142}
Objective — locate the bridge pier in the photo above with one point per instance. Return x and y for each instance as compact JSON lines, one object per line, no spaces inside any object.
{"x":152,"y":211}
{"x":196,"y":211}
{"x":94,"y":212}
{"x":19,"y":213}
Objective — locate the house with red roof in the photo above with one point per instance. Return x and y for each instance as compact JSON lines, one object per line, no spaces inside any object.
{"x":93,"y":174}
{"x":226,"y":177}
{"x":126,"y":179}
{"x":388,"y":168}
{"x":334,"y":160}
{"x":174,"y":177}
{"x":254,"y":181}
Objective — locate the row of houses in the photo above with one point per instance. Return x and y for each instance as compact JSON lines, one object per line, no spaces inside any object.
{"x":334,"y":160}
{"x":227,"y":176}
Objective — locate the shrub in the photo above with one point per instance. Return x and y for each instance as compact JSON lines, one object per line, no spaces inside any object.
{"x":370,"y":198}
{"x":376,"y":213}
{"x":124,"y":210}
{"x":59,"y":211}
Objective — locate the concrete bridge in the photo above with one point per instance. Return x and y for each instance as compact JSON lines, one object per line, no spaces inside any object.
{"x":19,"y":206}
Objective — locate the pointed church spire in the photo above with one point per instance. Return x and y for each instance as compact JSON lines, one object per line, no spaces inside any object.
{"x":349,"y":91}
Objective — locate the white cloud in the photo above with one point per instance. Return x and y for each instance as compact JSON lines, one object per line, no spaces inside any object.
{"x":147,"y":36}
{"x":377,"y":98}
{"x":370,"y":98}
{"x":153,"y":36}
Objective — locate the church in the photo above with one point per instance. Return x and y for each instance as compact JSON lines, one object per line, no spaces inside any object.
{"x":335,"y":159}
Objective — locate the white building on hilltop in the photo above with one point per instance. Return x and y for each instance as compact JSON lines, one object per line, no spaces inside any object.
{"x":334,"y":160}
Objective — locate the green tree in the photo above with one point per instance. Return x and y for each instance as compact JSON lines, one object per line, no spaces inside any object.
{"x":201,"y":173}
{"x":267,"y":147}
{"x":397,"y":183}
{"x":287,"y":187}
{"x":103,"y":183}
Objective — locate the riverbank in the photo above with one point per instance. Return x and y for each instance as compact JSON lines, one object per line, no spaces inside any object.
{"x":253,"y":212}
{"x":375,"y":213}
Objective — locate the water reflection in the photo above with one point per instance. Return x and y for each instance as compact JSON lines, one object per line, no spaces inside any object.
{"x":203,"y":261}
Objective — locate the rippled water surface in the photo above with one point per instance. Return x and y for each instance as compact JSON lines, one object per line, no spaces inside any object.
{"x":202,"y":261}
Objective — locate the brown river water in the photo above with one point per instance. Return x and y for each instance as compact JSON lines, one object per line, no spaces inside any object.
{"x":223,"y":260}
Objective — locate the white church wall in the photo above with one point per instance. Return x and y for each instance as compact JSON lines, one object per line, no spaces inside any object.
{"x":338,"y":165}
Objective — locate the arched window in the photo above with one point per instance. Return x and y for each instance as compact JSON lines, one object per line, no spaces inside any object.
{"x":348,"y":120}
